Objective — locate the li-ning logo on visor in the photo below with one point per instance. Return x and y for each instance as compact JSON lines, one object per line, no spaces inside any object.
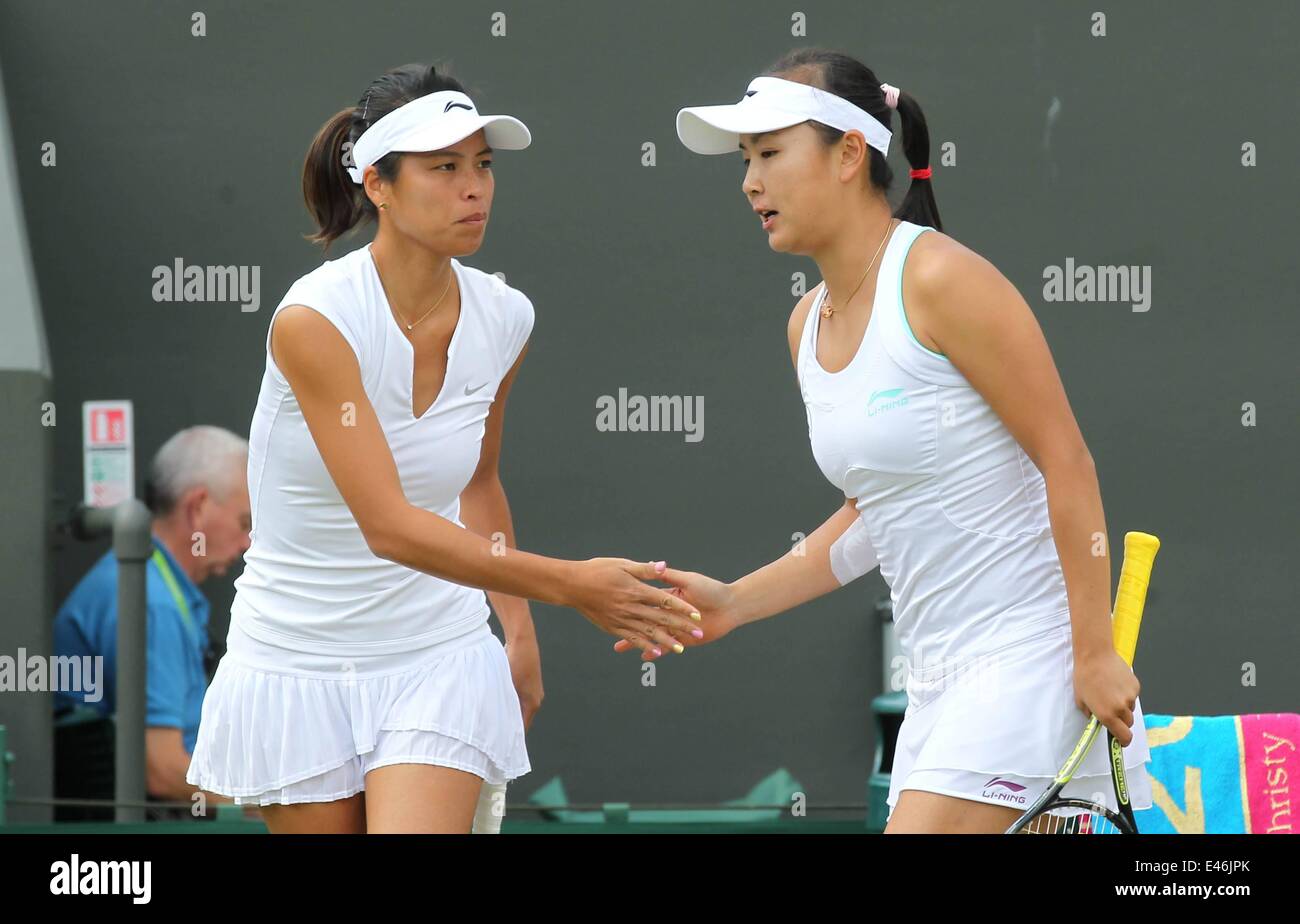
{"x":750,"y":92}
{"x":455,"y":105}
{"x":892,"y":400}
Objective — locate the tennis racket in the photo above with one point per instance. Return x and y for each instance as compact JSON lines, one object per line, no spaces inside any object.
{"x":1091,"y":817}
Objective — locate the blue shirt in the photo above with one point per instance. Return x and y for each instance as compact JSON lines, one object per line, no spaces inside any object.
{"x":86,"y":626}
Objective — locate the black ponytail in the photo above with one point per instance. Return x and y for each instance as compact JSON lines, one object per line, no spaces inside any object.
{"x":336,"y":203}
{"x":850,"y":79}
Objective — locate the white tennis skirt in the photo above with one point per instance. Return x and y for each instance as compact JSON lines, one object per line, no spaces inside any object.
{"x":268,"y":735}
{"x":997,"y":728}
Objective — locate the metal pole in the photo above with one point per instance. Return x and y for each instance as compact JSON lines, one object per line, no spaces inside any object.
{"x":132,"y":545}
{"x":4,"y":774}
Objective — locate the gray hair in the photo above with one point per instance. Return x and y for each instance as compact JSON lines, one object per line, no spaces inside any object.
{"x":198,"y":456}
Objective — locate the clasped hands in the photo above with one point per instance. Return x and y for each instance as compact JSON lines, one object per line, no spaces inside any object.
{"x":614,"y":594}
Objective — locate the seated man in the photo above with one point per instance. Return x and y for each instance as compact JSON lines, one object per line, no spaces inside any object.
{"x":198,"y":493}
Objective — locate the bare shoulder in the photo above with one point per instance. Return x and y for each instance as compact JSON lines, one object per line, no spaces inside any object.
{"x":298,"y":324}
{"x":943,"y":276}
{"x":797,"y":319}
{"x":300,"y":321}
{"x":301,"y":318}
{"x":938,"y":262}
{"x":307,"y":341}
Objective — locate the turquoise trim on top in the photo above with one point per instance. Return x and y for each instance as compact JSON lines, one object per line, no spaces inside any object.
{"x":902,"y":313}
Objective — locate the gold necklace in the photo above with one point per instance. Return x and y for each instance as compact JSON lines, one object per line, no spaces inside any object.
{"x":827,"y":308}
{"x":435,"y":304}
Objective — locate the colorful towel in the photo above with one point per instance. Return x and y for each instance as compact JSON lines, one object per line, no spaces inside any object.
{"x":1223,"y":774}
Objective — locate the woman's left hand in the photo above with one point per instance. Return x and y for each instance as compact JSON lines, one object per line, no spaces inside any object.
{"x":1105,"y":686}
{"x":526,"y":671}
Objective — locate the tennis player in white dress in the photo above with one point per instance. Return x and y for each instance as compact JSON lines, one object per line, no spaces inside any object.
{"x":934,"y":406}
{"x":362,"y":689}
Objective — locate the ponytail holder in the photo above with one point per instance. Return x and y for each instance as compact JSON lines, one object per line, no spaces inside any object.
{"x":920,"y":174}
{"x":891,"y":95}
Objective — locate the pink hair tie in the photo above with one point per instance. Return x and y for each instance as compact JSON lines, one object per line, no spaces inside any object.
{"x":891,"y":95}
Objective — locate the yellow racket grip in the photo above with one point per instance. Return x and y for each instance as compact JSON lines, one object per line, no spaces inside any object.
{"x":1130,"y":598}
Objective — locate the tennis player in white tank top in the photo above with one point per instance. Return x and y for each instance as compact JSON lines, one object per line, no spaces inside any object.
{"x":362,"y":689}
{"x":933,"y":404}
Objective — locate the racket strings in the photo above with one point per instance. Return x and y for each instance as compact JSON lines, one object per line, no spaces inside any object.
{"x":1080,"y":823}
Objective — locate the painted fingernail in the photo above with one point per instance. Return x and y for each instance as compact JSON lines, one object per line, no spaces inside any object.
{"x":657,"y":652}
{"x":678,"y":648}
{"x":660,"y":565}
{"x":698,"y":633}
{"x":695,"y":616}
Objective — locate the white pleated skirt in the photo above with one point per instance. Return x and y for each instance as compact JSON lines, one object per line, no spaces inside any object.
{"x":268,"y":734}
{"x":998,"y":727}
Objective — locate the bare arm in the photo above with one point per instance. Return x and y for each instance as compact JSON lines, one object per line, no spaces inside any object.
{"x":485,"y":510}
{"x":325,"y":376}
{"x":326,"y":379}
{"x":166,"y":762}
{"x":981,"y":322}
{"x":802,"y":574}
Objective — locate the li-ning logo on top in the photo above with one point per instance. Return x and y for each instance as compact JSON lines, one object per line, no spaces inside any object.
{"x":455,"y":105}
{"x":1012,"y":793}
{"x":889,"y":399}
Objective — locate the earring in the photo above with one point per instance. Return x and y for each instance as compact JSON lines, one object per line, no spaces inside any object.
{"x":383,"y":205}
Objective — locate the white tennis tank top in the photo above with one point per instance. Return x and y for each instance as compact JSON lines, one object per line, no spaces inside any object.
{"x":310,"y":583}
{"x":956,"y":511}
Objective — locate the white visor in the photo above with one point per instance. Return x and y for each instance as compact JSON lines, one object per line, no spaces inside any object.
{"x":432,"y":123}
{"x":769,"y":104}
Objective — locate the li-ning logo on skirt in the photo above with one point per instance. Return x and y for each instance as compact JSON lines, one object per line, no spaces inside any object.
{"x":889,"y":398}
{"x":1013,"y":795}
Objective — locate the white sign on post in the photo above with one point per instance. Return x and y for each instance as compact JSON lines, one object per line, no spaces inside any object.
{"x":108,"y":452}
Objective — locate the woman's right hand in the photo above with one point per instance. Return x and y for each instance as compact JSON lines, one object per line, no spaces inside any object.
{"x":612,"y":594}
{"x":714,"y":600}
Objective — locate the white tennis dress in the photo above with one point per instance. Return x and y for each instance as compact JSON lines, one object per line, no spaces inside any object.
{"x":957,"y":514}
{"x":338,"y":661}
